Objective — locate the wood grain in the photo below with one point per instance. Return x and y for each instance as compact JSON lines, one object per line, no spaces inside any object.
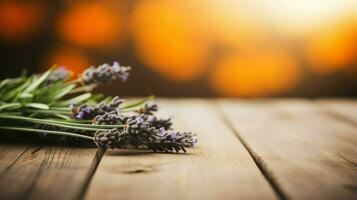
{"x":218,"y":168}
{"x":45,"y":172}
{"x":308,"y":153}
{"x":344,"y":109}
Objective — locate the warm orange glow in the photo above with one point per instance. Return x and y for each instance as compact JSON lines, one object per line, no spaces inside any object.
{"x":20,"y":20}
{"x":258,"y":73}
{"x":72,"y":59}
{"x":91,"y":25}
{"x":237,"y":47}
{"x":165,"y":41}
{"x":333,"y":47}
{"x":229,"y":23}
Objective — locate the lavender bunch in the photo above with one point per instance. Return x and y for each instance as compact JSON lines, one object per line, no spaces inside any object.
{"x":52,"y":104}
{"x":142,"y":131}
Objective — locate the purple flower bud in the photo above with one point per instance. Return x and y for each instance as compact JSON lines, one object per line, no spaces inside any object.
{"x":59,"y":74}
{"x":90,"y":112}
{"x":105,"y":73}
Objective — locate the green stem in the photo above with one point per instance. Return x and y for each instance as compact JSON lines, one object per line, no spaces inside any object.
{"x":48,"y":111}
{"x":60,"y":108}
{"x":59,"y":122}
{"x":86,"y":88}
{"x":129,"y":110}
{"x":46,"y":131}
{"x":138,"y":103}
{"x":75,"y":81}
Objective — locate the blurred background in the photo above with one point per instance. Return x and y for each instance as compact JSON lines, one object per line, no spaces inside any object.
{"x":186,"y":48}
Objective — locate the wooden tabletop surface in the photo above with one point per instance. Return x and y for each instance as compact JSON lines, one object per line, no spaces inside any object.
{"x":247,"y":149}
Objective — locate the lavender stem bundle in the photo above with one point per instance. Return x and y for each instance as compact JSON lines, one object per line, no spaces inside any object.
{"x":52,"y":104}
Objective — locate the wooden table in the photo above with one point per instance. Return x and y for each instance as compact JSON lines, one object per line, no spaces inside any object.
{"x":248,"y":149}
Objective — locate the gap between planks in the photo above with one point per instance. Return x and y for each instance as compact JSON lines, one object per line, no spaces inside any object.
{"x":259,"y":161}
{"x":307,"y":152}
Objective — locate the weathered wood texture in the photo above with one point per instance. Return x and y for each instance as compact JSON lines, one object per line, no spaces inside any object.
{"x":248,"y":149}
{"x":307,"y":152}
{"x":218,"y":168}
{"x":45,"y":172}
{"x":345,"y":110}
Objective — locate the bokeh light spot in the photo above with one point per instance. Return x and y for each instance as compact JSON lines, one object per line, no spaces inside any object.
{"x":332,"y":48}
{"x":164,"y":40}
{"x":90,"y":25}
{"x":20,"y":20}
{"x":254,"y":74}
{"x":71,"y":58}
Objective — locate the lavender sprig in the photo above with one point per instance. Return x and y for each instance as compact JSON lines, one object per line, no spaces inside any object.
{"x":147,"y":138}
{"x":90,"y":112}
{"x":158,"y":123}
{"x":148,"y":109}
{"x":105,"y":74}
{"x":59,"y":74}
{"x":115,"y":118}
{"x":142,"y":131}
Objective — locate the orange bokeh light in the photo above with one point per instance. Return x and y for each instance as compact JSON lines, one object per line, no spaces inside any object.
{"x":20,"y":20}
{"x":229,"y":23}
{"x":71,"y":58}
{"x":91,"y":25}
{"x":332,"y":48}
{"x":165,"y":41}
{"x":257,"y":73}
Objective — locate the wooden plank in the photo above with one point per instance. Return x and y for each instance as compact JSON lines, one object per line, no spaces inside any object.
{"x":345,"y":109}
{"x":219,"y":167}
{"x":45,"y":172}
{"x":309,"y":154}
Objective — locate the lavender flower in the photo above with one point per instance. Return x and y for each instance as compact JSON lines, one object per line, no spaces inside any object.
{"x":115,"y":118}
{"x":59,"y":74}
{"x":173,"y":141}
{"x":90,"y":112}
{"x":110,"y":118}
{"x":105,"y":73}
{"x":148,"y":109}
{"x":147,"y":138}
{"x":159,"y":123}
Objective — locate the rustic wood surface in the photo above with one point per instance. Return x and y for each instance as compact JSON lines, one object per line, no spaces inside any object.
{"x":219,"y":167}
{"x":248,"y":149}
{"x":307,"y":153}
{"x":45,"y":172}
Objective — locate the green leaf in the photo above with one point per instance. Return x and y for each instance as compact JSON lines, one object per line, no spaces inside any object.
{"x":4,"y":82}
{"x":38,"y":106}
{"x":9,"y":96}
{"x":25,"y":95}
{"x":94,"y":99}
{"x":64,"y":91}
{"x":106,"y":100}
{"x":76,"y":100}
{"x":62,"y":116}
{"x":38,"y":81}
{"x":138,"y":103}
{"x":10,"y":106}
